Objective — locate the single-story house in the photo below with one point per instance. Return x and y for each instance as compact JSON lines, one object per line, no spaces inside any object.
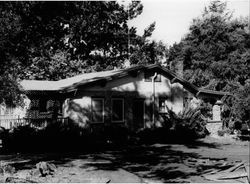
{"x":135,"y":97}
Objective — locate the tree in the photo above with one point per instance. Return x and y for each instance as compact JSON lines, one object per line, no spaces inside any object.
{"x":215,"y":55}
{"x":55,"y":40}
{"x":145,"y":51}
{"x":216,"y":49}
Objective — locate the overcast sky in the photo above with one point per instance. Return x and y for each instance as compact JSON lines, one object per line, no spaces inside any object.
{"x":173,"y":17}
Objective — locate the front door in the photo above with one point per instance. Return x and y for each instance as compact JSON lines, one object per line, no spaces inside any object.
{"x":138,"y":113}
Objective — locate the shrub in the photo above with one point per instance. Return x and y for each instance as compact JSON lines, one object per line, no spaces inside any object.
{"x":189,"y":124}
{"x":221,"y":133}
{"x":116,"y":134}
{"x":238,"y":105}
{"x":224,"y":131}
{"x":186,"y":126}
{"x":63,"y":136}
{"x":55,"y":136}
{"x":21,"y":138}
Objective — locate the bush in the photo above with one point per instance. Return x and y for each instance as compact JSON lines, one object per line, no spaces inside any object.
{"x":21,"y":138}
{"x":186,"y":126}
{"x":237,"y":106}
{"x":66,"y":136}
{"x":189,"y":124}
{"x":224,"y":131}
{"x":116,"y":134}
{"x":55,"y":136}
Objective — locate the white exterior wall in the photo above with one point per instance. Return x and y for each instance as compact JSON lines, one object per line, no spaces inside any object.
{"x":145,"y":89}
{"x":79,"y":107}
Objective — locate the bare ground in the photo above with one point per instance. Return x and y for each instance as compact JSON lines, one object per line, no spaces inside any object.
{"x":134,"y":164}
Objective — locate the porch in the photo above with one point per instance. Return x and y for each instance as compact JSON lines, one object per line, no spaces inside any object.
{"x":10,"y":123}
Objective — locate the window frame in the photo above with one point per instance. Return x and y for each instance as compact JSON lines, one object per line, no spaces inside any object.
{"x":92,"y":115}
{"x":165,"y":109}
{"x":123,"y":110}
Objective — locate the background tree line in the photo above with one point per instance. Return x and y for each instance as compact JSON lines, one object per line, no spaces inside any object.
{"x":215,"y":54}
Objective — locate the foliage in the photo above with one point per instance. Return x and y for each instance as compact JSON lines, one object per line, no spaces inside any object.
{"x":215,"y":55}
{"x":144,"y":51}
{"x":216,"y":49}
{"x":188,"y":123}
{"x":10,"y":92}
{"x":55,"y":40}
{"x":224,"y":132}
{"x":238,"y":105}
{"x":63,"y":136}
{"x":186,"y":126}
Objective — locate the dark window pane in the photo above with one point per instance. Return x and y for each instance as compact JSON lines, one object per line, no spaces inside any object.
{"x":43,"y":105}
{"x":117,"y":110}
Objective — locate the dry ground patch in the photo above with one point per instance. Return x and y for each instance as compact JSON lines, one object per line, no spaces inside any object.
{"x":144,"y":163}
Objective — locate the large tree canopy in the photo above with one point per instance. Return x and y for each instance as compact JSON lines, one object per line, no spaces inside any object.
{"x":55,"y":40}
{"x":215,"y":51}
{"x":215,"y":54}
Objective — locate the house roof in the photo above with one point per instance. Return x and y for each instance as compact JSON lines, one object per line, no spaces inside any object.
{"x":211,"y":92}
{"x":42,"y":85}
{"x":70,"y":84}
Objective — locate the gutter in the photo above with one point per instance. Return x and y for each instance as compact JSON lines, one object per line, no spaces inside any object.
{"x":153,"y":83}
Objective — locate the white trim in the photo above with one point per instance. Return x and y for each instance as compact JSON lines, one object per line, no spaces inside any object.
{"x":117,"y":121}
{"x":144,"y":114}
{"x":98,"y":98}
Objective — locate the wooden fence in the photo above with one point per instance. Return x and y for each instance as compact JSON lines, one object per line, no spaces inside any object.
{"x":38,"y":122}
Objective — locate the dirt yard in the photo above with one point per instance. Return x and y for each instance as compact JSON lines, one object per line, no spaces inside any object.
{"x":136,"y":164}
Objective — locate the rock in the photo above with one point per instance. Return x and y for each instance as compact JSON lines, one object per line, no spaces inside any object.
{"x":35,"y":172}
{"x":1,"y":172}
{"x":45,"y":168}
{"x":18,"y":180}
{"x":9,"y":169}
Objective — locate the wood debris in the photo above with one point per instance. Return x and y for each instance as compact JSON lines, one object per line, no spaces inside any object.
{"x":236,"y":173}
{"x":220,"y":170}
{"x":18,"y":180}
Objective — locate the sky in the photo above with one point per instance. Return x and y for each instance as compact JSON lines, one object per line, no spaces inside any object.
{"x":173,"y":17}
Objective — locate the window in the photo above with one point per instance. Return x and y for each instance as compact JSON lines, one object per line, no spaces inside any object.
{"x":9,"y":111}
{"x":163,"y":105}
{"x":34,"y":104}
{"x":186,"y":102}
{"x":43,"y":105}
{"x":117,"y":110}
{"x":149,"y":77}
{"x":97,"y":110}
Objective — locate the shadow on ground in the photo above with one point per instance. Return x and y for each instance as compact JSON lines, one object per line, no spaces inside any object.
{"x":157,"y":162}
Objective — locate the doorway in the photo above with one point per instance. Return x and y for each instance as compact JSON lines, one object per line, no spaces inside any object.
{"x":138,"y":113}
